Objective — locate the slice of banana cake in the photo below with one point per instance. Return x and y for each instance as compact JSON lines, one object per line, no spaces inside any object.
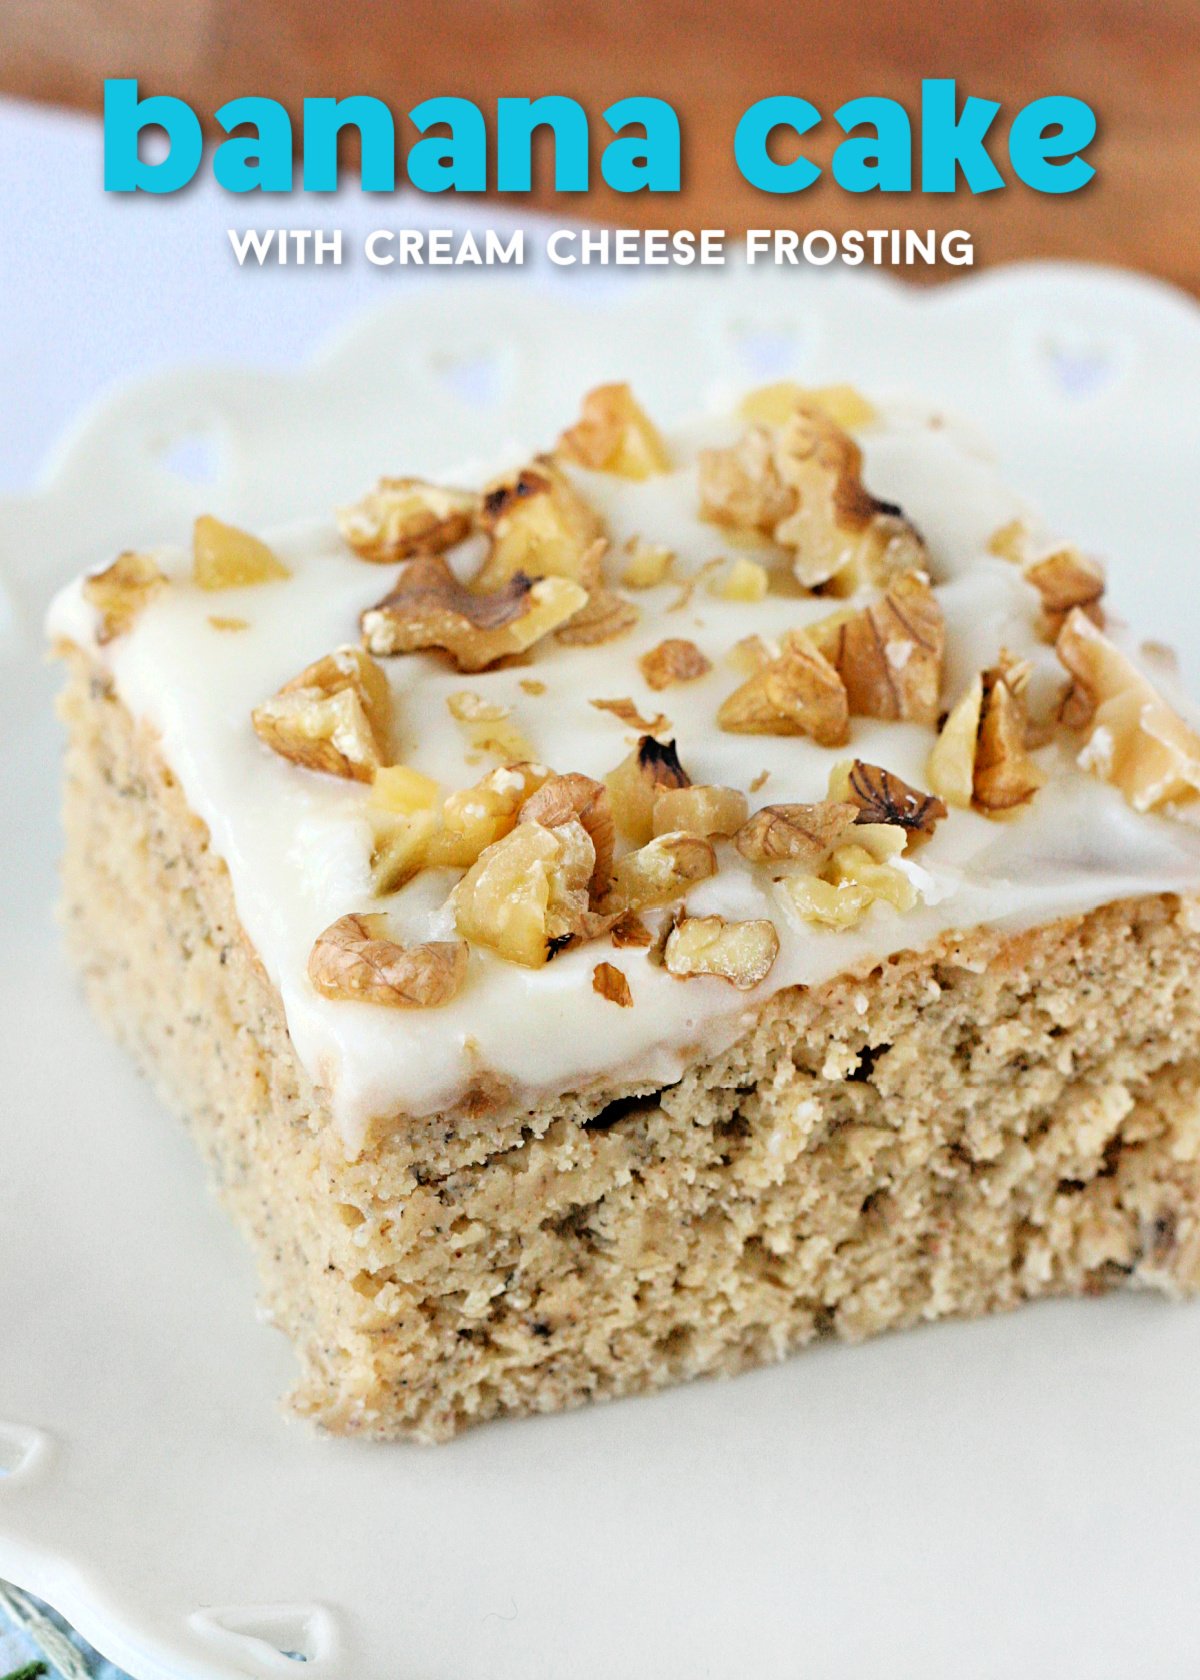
{"x":692,"y":894}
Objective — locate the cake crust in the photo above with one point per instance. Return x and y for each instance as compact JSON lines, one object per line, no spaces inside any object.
{"x":945,"y":1132}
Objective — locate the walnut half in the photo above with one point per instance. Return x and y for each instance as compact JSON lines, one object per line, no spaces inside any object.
{"x":354,"y":959}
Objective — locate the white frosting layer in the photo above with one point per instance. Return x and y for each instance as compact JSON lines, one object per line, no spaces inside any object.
{"x":297,"y":843}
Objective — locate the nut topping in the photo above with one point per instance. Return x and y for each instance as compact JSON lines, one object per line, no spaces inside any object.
{"x":882,"y":797}
{"x":526,"y":896}
{"x":625,"y":710}
{"x":609,"y":982}
{"x":355,"y":959}
{"x":804,"y":834}
{"x":614,"y":434}
{"x":673,"y":661}
{"x":223,"y":557}
{"x":981,"y":756}
{"x":335,"y":716}
{"x":889,"y":655}
{"x":634,"y":786}
{"x":741,"y":952}
{"x":797,"y":693}
{"x":774,"y":405}
{"x":1136,"y":740}
{"x":403,"y":517}
{"x":489,"y":727}
{"x":539,"y":525}
{"x":659,"y":872}
{"x":121,"y":592}
{"x":476,"y":817}
{"x":707,"y":811}
{"x":1067,"y":579}
{"x":429,"y":608}
{"x":646,"y":564}
{"x":576,"y":798}
{"x":605,"y":616}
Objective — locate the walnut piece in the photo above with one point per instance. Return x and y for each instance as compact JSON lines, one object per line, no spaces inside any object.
{"x":627,"y":713}
{"x":801,"y":485}
{"x":773,"y":405}
{"x":541,"y":526}
{"x":1064,"y":580}
{"x":224,"y":557}
{"x":630,"y":930}
{"x":603,"y":617}
{"x":429,"y":608}
{"x":1005,"y":777}
{"x":634,"y":786}
{"x":659,"y":872}
{"x":882,"y":797}
{"x":1010,"y":542}
{"x":609,"y":981}
{"x":576,"y":798}
{"x":402,"y":517}
{"x":614,"y":434}
{"x":646,"y":564}
{"x":797,"y":693}
{"x":742,"y":580}
{"x":402,"y":812}
{"x":699,"y":809}
{"x":121,"y":592}
{"x":355,"y":959}
{"x":804,"y":834}
{"x":743,"y":953}
{"x":488,"y":725}
{"x":335,"y":716}
{"x":673,"y":661}
{"x":850,"y":882}
{"x":1135,"y":740}
{"x":526,"y":896}
{"x":476,"y":817}
{"x":951,"y":767}
{"x":889,"y":654}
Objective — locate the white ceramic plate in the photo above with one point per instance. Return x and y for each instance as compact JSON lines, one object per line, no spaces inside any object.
{"x":1014,"y":1498}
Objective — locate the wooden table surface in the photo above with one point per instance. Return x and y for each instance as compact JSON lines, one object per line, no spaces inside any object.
{"x":1137,"y":62}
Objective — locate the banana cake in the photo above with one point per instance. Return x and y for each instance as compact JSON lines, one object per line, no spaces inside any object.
{"x":697,"y":892}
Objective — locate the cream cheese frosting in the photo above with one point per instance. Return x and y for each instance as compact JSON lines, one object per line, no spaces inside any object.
{"x":297,"y":843}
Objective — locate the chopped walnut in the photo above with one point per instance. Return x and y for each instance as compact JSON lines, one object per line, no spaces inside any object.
{"x":1010,"y":542}
{"x":673,"y":661}
{"x":540,"y":526}
{"x":476,"y":817}
{"x":743,"y":953}
{"x":335,"y":716}
{"x":804,"y":834}
{"x":850,"y":882}
{"x":802,"y":486}
{"x":531,"y":685}
{"x":355,"y":959}
{"x":951,"y":767}
{"x":797,"y":693}
{"x":429,"y":608}
{"x":224,"y":557}
{"x":889,"y":654}
{"x":630,"y":930}
{"x":752,"y":654}
{"x":526,"y":896}
{"x":882,"y":797}
{"x":489,"y":727}
{"x":1005,"y":777}
{"x":403,"y":517}
{"x":121,"y":592}
{"x":221,"y":621}
{"x":742,"y":580}
{"x":700,"y":809}
{"x":625,"y":710}
{"x":608,"y":981}
{"x":660,"y":871}
{"x":634,"y":786}
{"x":402,"y":811}
{"x":646,"y":564}
{"x":1136,"y":740}
{"x":740,"y":486}
{"x":773,"y":405}
{"x":604,"y":616}
{"x":576,"y":798}
{"x":614,"y":434}
{"x":1067,"y":579}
